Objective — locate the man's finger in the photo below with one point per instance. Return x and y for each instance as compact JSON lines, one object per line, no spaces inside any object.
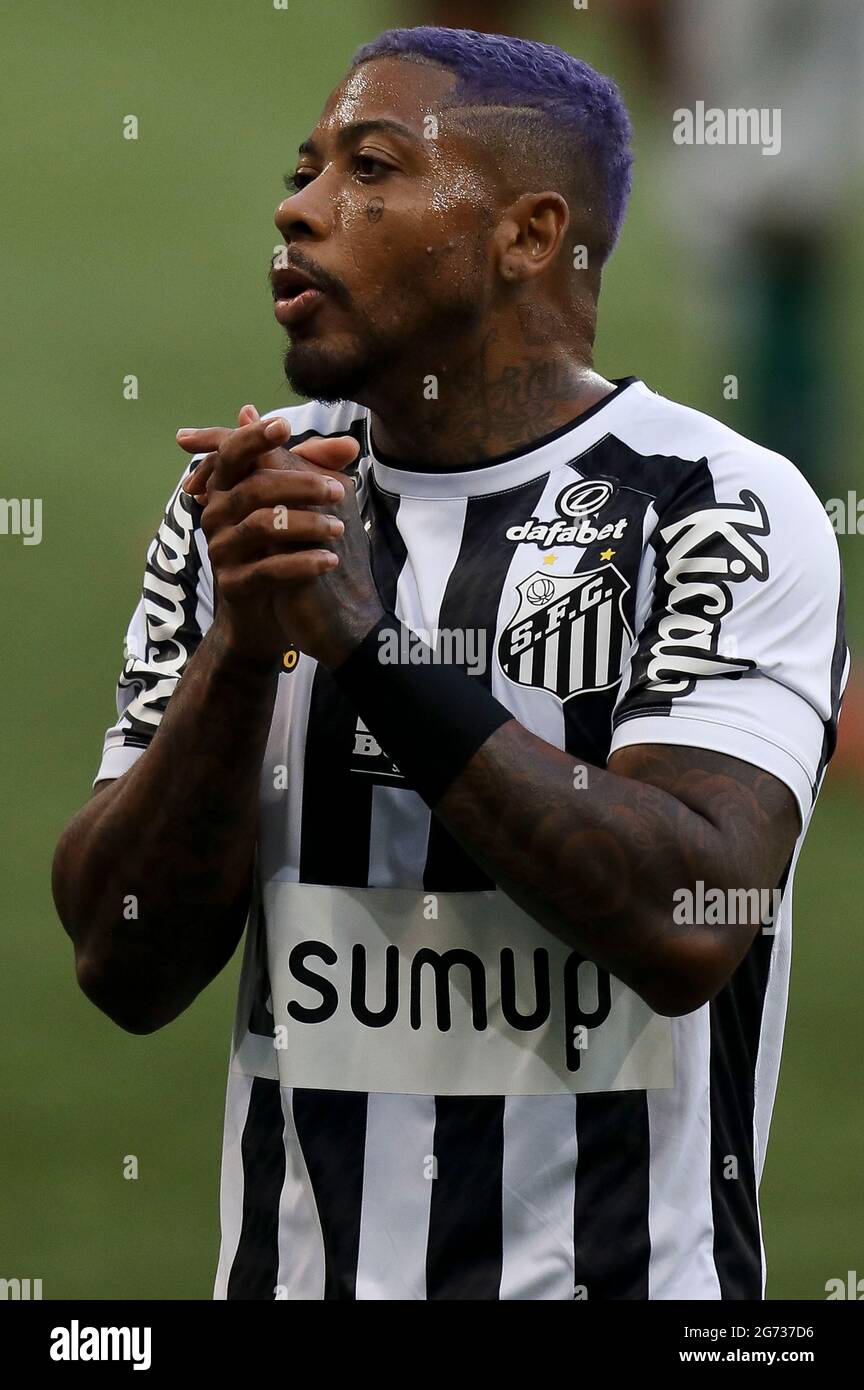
{"x":198,"y":441}
{"x":239,"y":452}
{"x":332,"y":454}
{"x":257,"y":536}
{"x":202,"y":441}
{"x":289,"y":490}
{"x":197,"y":481}
{"x":329,"y":453}
{"x":242,"y":582}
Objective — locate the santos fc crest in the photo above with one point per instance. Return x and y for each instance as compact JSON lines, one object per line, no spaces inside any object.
{"x":568,"y":634}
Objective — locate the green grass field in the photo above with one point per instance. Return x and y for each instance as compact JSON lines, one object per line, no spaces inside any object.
{"x":148,"y":258}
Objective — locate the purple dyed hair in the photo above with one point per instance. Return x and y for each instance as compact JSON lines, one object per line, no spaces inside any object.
{"x":580,"y":105}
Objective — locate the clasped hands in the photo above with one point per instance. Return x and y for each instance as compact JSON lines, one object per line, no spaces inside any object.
{"x":287,"y":546}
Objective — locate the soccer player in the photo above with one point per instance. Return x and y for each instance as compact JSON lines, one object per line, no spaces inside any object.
{"x":497,"y":696}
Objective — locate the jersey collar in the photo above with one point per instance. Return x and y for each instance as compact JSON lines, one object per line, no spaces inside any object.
{"x":508,"y":470}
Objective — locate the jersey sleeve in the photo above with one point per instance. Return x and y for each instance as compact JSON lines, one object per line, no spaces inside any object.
{"x":741,"y":646}
{"x":173,"y":613}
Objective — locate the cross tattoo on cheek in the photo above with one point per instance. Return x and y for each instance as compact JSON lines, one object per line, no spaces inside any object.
{"x":375,"y":209}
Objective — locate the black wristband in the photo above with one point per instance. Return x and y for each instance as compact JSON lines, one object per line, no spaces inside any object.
{"x":430,"y":718}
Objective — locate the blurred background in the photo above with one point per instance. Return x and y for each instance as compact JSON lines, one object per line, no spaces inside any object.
{"x":736,"y":287}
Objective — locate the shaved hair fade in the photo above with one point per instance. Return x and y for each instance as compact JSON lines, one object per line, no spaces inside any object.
{"x":539,"y":111}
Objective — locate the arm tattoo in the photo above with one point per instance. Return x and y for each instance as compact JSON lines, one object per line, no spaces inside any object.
{"x":599,"y":863}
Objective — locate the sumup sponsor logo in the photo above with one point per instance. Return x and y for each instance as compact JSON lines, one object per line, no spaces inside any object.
{"x":350,"y":980}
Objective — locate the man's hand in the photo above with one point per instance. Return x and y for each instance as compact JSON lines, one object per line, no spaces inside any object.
{"x":286,"y":542}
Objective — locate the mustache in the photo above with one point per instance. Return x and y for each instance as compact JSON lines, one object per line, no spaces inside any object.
{"x":322,"y":279}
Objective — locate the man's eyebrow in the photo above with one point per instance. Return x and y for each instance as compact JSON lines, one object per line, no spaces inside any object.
{"x":348,"y":133}
{"x":358,"y":128}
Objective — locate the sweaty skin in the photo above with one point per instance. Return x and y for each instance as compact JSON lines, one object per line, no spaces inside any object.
{"x":467,"y":279}
{"x":435,"y":290}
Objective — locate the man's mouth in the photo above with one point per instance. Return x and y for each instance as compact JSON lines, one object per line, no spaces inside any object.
{"x":296,"y":296}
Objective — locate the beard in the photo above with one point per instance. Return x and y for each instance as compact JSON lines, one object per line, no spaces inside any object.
{"x":321,"y":375}
{"x":331,"y":371}
{"x":316,"y":369}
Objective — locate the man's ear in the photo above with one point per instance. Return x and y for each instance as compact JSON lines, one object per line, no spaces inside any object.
{"x":529,"y":235}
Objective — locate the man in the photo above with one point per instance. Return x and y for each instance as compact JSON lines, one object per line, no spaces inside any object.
{"x":500,"y":700}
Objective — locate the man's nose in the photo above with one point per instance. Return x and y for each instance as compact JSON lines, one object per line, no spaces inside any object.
{"x":302,"y":216}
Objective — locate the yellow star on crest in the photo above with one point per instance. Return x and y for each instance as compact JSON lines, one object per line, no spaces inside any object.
{"x":549,"y":559}
{"x":606,"y":554}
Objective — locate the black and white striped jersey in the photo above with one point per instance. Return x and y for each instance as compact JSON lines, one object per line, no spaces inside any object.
{"x":429,"y":1096}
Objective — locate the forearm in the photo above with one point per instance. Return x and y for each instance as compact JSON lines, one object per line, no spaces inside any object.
{"x":152,"y":877}
{"x":595,"y":856}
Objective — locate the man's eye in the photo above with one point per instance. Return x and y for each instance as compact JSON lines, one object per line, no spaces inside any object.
{"x":368,"y":167}
{"x":294,"y":182}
